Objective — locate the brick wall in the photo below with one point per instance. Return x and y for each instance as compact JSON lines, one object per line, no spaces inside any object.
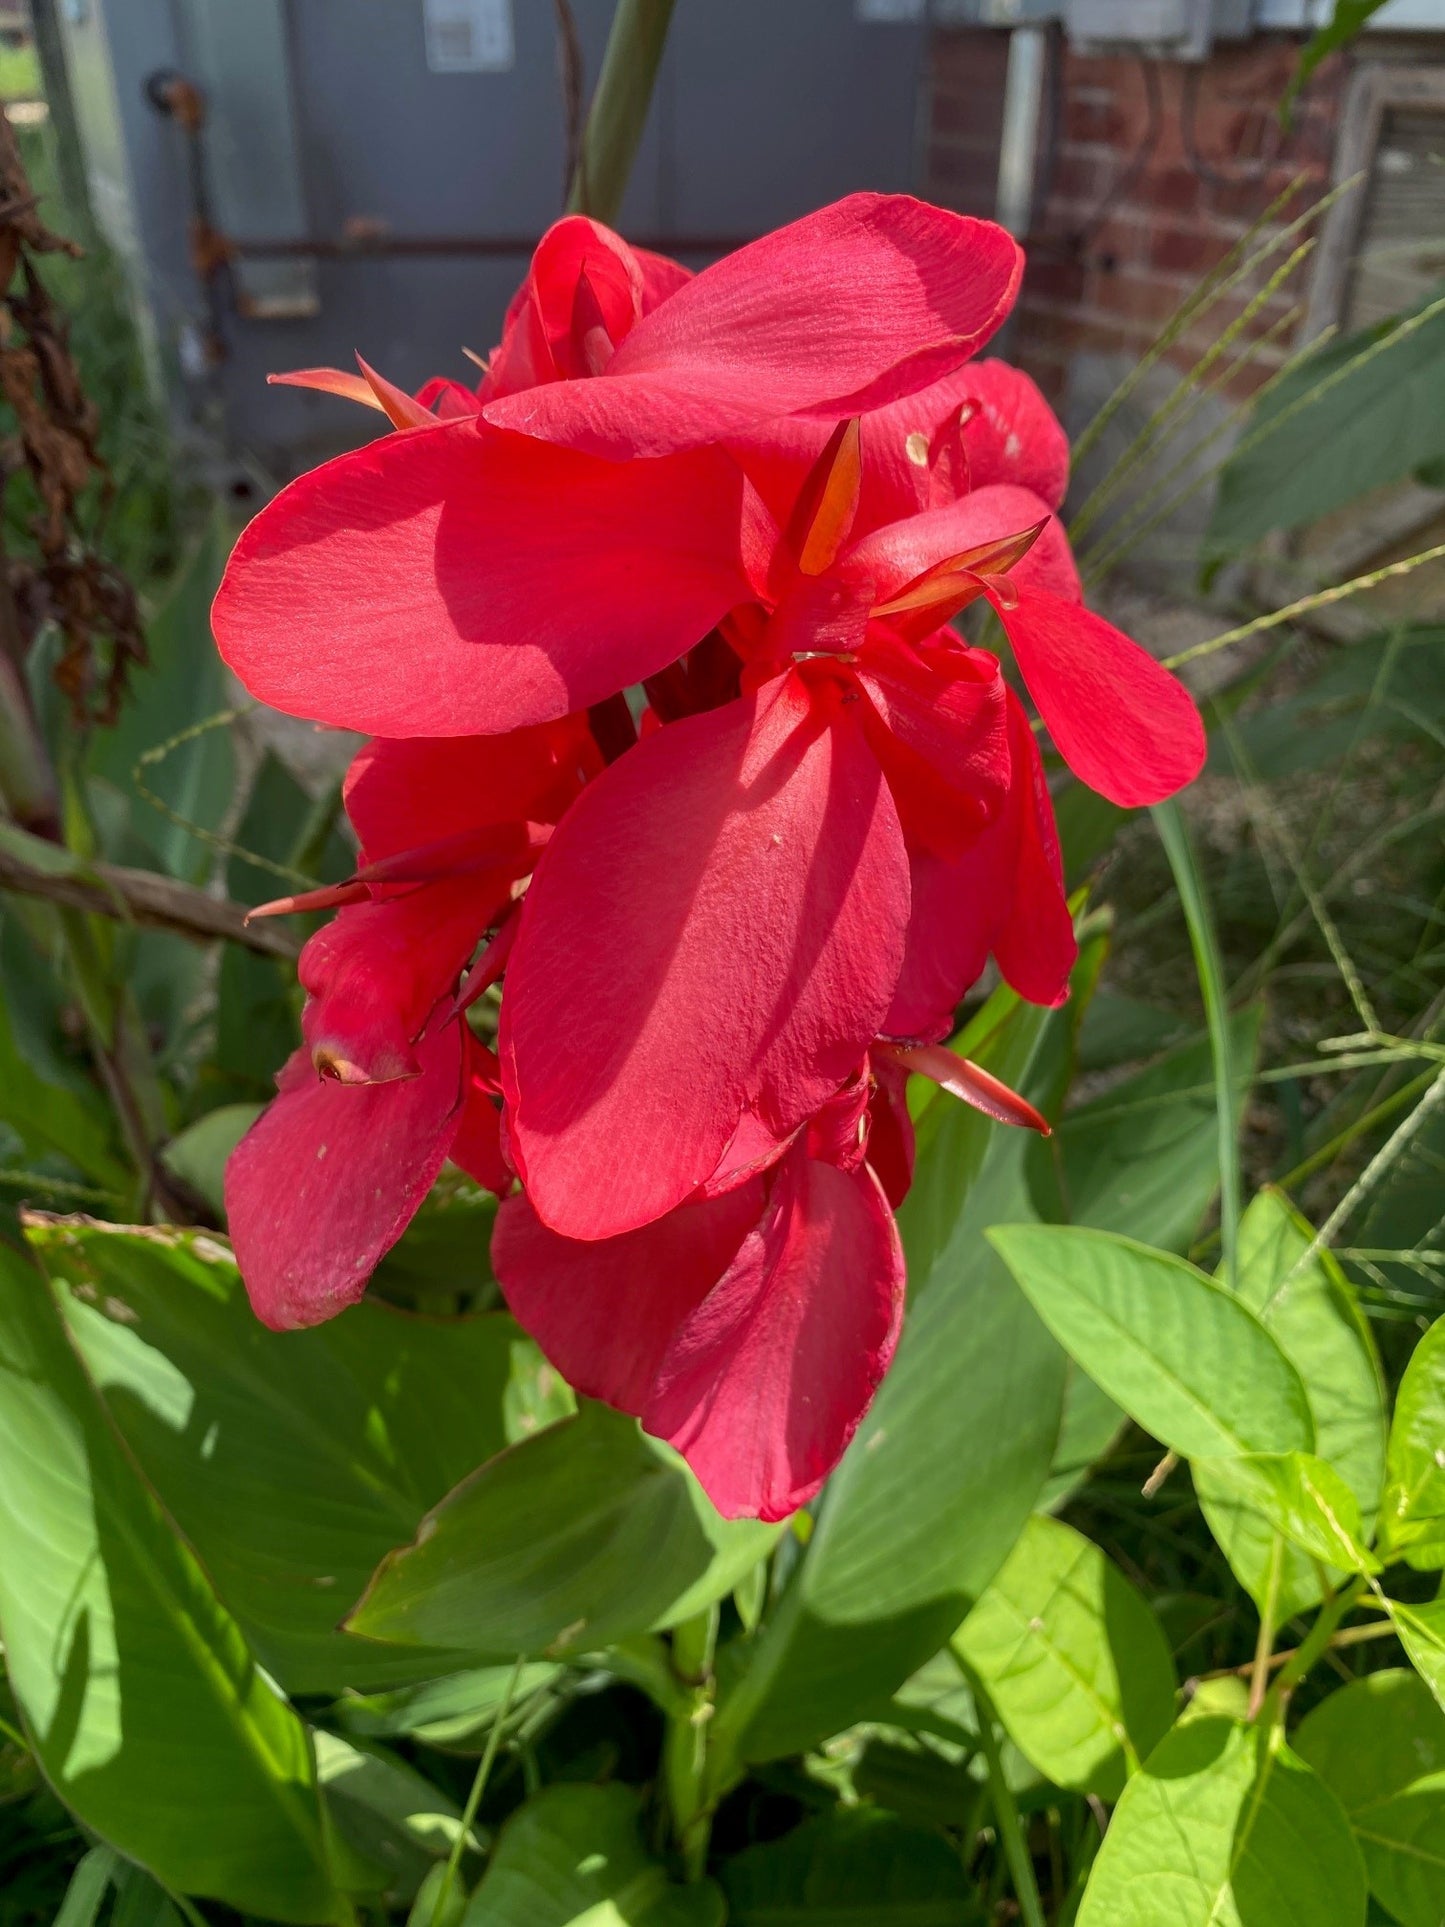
{"x":1147,"y":177}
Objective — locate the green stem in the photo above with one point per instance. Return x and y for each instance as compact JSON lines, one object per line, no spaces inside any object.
{"x":1310,"y":1649}
{"x":684,"y":1750}
{"x":619,"y":107}
{"x":1264,"y":1645}
{"x":1005,"y":1808}
{"x":479,"y":1787}
{"x":1204,"y":942}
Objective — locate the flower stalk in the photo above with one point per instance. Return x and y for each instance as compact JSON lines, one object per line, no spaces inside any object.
{"x":685,"y":1748}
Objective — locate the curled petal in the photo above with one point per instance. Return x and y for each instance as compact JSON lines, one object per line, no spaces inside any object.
{"x":605,"y":1310}
{"x":976,"y":1086}
{"x":330,"y":1175}
{"x":963,"y":534}
{"x":714,"y":929}
{"x":766,"y":1381}
{"x":1121,"y":722}
{"x":1010,"y":434}
{"x":850,"y":308}
{"x":413,"y":587}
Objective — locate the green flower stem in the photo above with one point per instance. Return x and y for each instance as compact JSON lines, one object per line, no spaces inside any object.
{"x":1311,"y":1649}
{"x":684,"y":1748}
{"x":1005,"y":1808}
{"x":479,"y":1787}
{"x":619,"y":107}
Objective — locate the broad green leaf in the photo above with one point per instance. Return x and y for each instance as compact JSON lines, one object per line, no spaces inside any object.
{"x":1208,"y":1834}
{"x":1310,"y":1308}
{"x":50,"y":1117}
{"x":1184,"y":1357}
{"x":1414,"y":1507}
{"x":1421,"y":1630}
{"x":952,"y":1458}
{"x":397,"y":1821}
{"x":1142,"y":1160}
{"x":584,"y":1534}
{"x":1379,"y":1745}
{"x":182,"y":684}
{"x":1333,"y":428}
{"x":912,"y":1777}
{"x":454,"y":1712}
{"x":198,"y":1155}
{"x":574,"y":1854}
{"x":852,"y":1867}
{"x":1298,"y":1496}
{"x":88,"y":1885}
{"x":118,"y":1651}
{"x":1073,"y":1658}
{"x":292,"y":1461}
{"x":142,"y":1902}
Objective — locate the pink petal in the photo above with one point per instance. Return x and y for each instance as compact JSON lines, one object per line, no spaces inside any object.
{"x":1014,"y":436}
{"x":409,"y":794}
{"x":330,"y":1175}
{"x":894,"y":556}
{"x":850,"y":308}
{"x":459,"y":581}
{"x":714,"y":929}
{"x":605,"y":1310}
{"x":375,"y":972}
{"x":1121,"y":722}
{"x":766,"y":1381}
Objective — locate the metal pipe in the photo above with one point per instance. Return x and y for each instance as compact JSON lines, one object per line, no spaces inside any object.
{"x":1023,"y":93}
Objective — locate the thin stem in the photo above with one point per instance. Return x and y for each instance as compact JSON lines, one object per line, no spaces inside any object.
{"x":1306,"y":605}
{"x":479,"y":1787}
{"x":684,"y":1753}
{"x":1320,"y":1636}
{"x":1259,"y":1674}
{"x":1005,"y":1808}
{"x":619,"y":106}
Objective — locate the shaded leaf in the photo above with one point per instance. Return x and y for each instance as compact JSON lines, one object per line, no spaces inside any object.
{"x":115,"y":1645}
{"x":584,"y":1534}
{"x":1414,"y":1507}
{"x":850,"y":1868}
{"x":293,"y":1461}
{"x":1422,"y":1633}
{"x":1300,"y":1497}
{"x":575,"y":1853}
{"x":1379,"y":1745}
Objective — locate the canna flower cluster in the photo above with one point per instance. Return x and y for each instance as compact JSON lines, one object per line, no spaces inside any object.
{"x":672,"y":737}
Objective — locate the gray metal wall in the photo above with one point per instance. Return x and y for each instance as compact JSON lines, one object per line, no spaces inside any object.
{"x":324,"y":113}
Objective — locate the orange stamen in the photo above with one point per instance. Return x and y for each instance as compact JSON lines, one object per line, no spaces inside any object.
{"x":829,"y":499}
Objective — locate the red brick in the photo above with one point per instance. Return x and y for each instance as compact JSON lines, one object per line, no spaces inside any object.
{"x":1183,"y":250}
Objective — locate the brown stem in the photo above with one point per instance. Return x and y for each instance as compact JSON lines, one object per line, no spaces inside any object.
{"x":140,"y":896}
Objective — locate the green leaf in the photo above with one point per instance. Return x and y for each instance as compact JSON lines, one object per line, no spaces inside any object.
{"x":49,"y":1117}
{"x":1143,"y":1158}
{"x":1379,"y":1745}
{"x":454,"y":1712}
{"x":117,"y":1649}
{"x":1414,"y":1505}
{"x":1421,"y":1630}
{"x":1343,"y":422}
{"x":1349,"y":19}
{"x":1299,"y":1496}
{"x":1074,"y":1660}
{"x":1208,"y":1834}
{"x":1310,"y":1308}
{"x":292,"y":1461}
{"x":394,"y":1819}
{"x":182,"y":684}
{"x":574,"y":1854}
{"x":950,"y":1461}
{"x":1184,"y":1357}
{"x":198,"y":1155}
{"x":584,"y":1534}
{"x":87,"y":1889}
{"x":851,"y":1867}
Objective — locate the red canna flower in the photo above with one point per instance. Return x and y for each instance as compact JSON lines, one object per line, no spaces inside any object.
{"x":750,"y":1328}
{"x":391,"y":1081}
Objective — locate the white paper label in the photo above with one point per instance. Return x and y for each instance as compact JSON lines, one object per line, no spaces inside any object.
{"x":469,"y":36}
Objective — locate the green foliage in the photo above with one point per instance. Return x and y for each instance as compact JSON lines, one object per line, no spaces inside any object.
{"x":850,"y":1868}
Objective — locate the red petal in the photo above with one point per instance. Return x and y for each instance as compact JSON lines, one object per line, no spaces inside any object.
{"x":1012,"y":435}
{"x":976,"y":1086}
{"x":891,"y":1142}
{"x":1121,"y":722}
{"x":897,"y":555}
{"x":460,"y":581}
{"x":477,"y":1146}
{"x":605,"y":1311}
{"x":330,"y":1175}
{"x":940,"y":737}
{"x":1035,"y":945}
{"x":715,"y":928}
{"x":870,"y":299}
{"x":375,"y":972}
{"x":407,"y":795}
{"x":765,"y":1383}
